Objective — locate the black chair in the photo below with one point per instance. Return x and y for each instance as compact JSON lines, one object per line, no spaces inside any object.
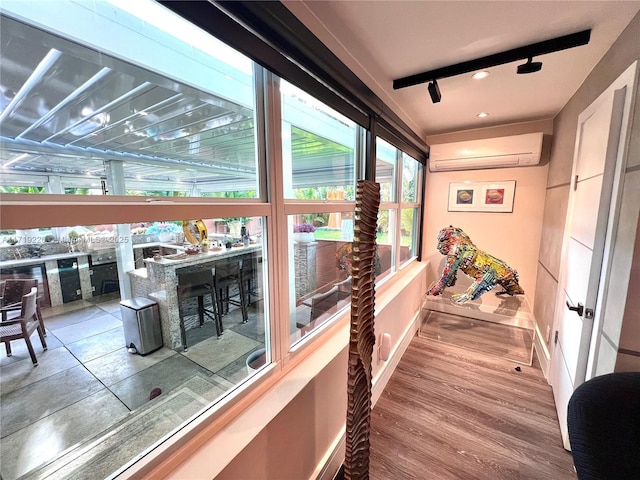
{"x":248,"y":279}
{"x":198,"y":284}
{"x":603,"y":419}
{"x":228,"y":286}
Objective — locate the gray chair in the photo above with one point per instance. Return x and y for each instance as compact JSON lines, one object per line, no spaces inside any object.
{"x":24,"y":326}
{"x":323,"y":302}
{"x":344,"y":288}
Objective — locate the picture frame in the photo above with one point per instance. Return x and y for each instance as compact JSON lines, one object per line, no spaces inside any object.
{"x":494,"y":197}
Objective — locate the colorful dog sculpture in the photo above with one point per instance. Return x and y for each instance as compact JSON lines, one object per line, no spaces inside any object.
{"x":486,"y":270}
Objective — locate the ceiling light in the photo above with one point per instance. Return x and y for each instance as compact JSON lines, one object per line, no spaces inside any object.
{"x":529,"y":67}
{"x":483,"y":114}
{"x":480,"y":75}
{"x":434,"y":91}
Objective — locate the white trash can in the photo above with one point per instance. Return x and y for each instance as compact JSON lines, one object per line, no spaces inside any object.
{"x":256,"y":360}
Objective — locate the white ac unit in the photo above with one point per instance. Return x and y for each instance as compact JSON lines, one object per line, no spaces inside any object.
{"x":499,"y":152}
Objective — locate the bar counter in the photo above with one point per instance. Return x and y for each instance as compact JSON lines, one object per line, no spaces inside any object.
{"x":158,"y":281}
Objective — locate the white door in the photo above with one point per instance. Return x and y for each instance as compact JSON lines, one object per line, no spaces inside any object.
{"x":597,"y":153}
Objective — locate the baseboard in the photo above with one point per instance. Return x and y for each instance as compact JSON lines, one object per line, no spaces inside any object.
{"x":333,"y":459}
{"x":542,"y":352}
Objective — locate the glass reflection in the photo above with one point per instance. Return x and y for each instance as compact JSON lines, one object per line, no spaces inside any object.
{"x":320,"y":268}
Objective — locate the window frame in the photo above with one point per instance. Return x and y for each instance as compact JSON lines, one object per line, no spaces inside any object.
{"x":32,"y":210}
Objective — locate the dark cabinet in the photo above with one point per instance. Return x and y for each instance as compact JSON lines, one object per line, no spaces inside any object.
{"x":104,"y":279}
{"x":69,"y":279}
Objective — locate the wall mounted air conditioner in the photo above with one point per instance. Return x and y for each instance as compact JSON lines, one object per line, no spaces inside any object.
{"x":499,"y":152}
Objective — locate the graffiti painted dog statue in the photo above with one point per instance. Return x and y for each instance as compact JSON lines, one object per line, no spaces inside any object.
{"x":486,"y":270}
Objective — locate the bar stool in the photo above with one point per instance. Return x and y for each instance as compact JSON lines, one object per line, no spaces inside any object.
{"x":248,"y":271}
{"x":198,"y":284}
{"x":228,"y":274}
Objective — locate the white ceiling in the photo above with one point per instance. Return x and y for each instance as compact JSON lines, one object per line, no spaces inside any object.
{"x":384,"y":40}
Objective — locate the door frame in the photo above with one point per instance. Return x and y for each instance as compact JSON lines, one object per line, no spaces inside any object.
{"x":605,"y":237}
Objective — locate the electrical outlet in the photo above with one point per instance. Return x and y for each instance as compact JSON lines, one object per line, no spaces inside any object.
{"x":548,"y":333}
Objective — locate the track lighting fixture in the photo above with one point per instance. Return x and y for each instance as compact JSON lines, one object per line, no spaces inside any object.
{"x":434,"y":91}
{"x":529,"y":67}
{"x":520,"y":53}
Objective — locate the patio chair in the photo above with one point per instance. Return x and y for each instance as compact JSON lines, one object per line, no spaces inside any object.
{"x":24,"y":326}
{"x":11,"y":294}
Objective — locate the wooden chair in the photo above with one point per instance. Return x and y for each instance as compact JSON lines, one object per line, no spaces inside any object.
{"x":24,"y":326}
{"x":12,"y":291}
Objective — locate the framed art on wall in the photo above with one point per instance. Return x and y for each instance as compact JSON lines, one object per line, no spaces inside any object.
{"x":482,"y":196}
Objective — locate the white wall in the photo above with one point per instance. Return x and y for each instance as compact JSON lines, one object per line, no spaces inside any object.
{"x":511,"y":237}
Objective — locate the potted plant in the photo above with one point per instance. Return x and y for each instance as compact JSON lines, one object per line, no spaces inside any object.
{"x":204,"y":245}
{"x":303,"y":232}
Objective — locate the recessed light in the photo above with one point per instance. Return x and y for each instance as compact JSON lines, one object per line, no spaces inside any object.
{"x":479,"y":75}
{"x":483,"y":114}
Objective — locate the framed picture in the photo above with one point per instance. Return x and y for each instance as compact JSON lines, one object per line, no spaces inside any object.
{"x":482,"y":196}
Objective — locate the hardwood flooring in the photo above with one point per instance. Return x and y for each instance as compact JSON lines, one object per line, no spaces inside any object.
{"x":453,"y":413}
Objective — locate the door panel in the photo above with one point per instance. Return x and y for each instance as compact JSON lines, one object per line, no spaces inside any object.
{"x":593,"y":149}
{"x":587,"y":200}
{"x":562,"y":391}
{"x":579,"y":262}
{"x":571,"y":326}
{"x":595,"y":159}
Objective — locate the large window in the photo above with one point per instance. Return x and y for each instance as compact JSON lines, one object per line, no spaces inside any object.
{"x":319,"y":148}
{"x":320,"y":157}
{"x":161,"y":164}
{"x":71,"y":111}
{"x":400,"y":178}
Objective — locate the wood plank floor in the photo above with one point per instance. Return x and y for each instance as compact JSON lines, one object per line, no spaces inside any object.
{"x":452,"y":413}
